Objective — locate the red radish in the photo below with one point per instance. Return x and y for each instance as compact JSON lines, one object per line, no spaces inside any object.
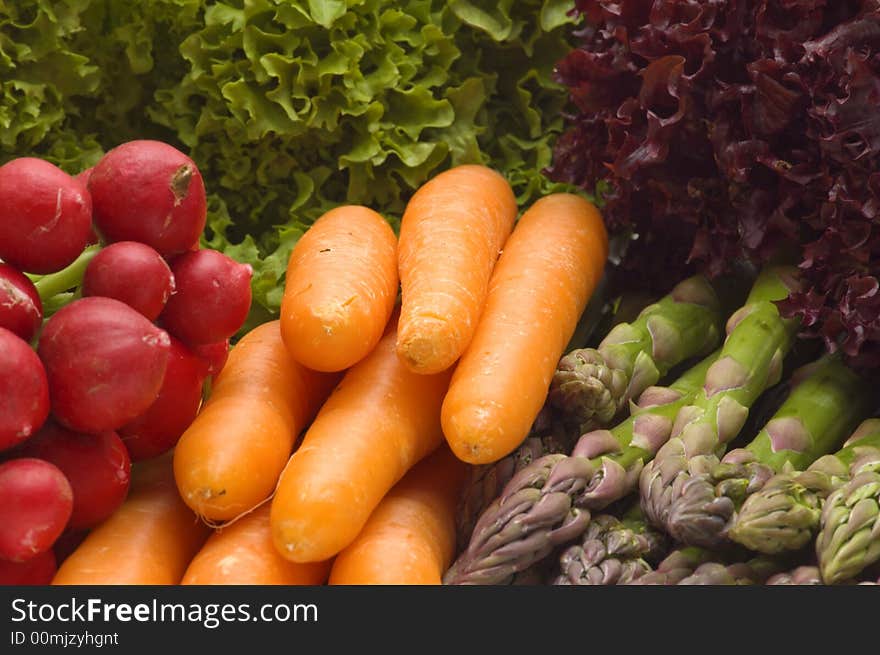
{"x":21,"y":309}
{"x":45,"y":216}
{"x":133,"y":273}
{"x":105,"y":363}
{"x":37,"y":570}
{"x":24,"y":391}
{"x":37,"y":502}
{"x":97,"y":466}
{"x":149,"y":191}
{"x":83,"y":176}
{"x":160,"y":426}
{"x":211,"y":300}
{"x":213,"y":356}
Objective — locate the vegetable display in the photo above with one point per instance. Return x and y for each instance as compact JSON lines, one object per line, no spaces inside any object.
{"x":551,"y":292}
{"x":97,"y":468}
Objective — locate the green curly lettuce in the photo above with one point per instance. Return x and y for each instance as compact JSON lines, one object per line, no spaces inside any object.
{"x":290,"y":107}
{"x":40,"y":72}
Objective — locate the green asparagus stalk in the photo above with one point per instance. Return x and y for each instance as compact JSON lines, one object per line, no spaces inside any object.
{"x":675,"y":567}
{"x":486,"y":482}
{"x":593,"y":385}
{"x":849,"y":529}
{"x":802,"y":575}
{"x":784,"y":515}
{"x":754,"y":571}
{"x":547,"y":504}
{"x":613,"y":551}
{"x":751,"y":361}
{"x":825,"y":404}
{"x":696,"y":566}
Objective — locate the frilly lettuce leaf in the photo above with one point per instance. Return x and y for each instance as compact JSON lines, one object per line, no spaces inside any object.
{"x":290,"y":107}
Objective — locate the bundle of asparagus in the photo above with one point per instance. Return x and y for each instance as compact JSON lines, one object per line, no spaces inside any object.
{"x":757,"y":342}
{"x":825,"y":403}
{"x":785,"y":514}
{"x":659,"y":481}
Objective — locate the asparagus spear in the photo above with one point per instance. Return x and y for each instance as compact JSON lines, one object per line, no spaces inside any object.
{"x":825,"y":403}
{"x":809,"y":575}
{"x":675,"y":567}
{"x":750,"y":362}
{"x":849,"y":532}
{"x":754,"y":571}
{"x":784,"y":514}
{"x":592,"y":385}
{"x":692,"y":565}
{"x":547,"y":504}
{"x":802,"y":575}
{"x":486,"y":482}
{"x":612,"y":551}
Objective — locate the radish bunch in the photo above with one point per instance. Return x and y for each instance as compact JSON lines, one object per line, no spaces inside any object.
{"x":111,"y":321}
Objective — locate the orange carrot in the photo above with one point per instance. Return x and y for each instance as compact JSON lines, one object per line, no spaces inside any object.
{"x":410,"y":537}
{"x":149,"y":540}
{"x":451,"y":233}
{"x":242,"y":554}
{"x":549,"y":268}
{"x":340,"y":288}
{"x":230,"y":457}
{"x":379,"y":422}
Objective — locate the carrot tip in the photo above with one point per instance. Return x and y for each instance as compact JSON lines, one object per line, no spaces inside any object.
{"x":426,"y":354}
{"x":475,"y":432}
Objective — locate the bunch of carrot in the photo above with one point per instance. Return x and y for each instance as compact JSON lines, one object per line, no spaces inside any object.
{"x":370,"y":493}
